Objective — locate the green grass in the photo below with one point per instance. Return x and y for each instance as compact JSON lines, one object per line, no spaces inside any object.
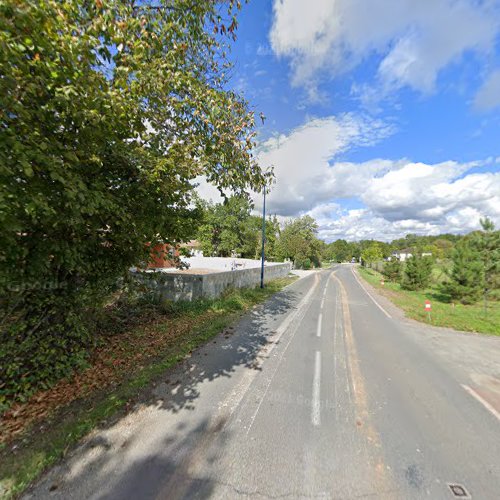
{"x":36,"y":451}
{"x":467,"y":318}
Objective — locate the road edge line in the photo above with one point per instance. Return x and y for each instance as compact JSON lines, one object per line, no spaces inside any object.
{"x":369,"y":294}
{"x":479,"y":398}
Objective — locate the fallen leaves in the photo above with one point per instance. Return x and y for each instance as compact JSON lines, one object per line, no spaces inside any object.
{"x":122,"y":355}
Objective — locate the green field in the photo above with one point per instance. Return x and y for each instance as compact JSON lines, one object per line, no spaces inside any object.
{"x":467,"y":318}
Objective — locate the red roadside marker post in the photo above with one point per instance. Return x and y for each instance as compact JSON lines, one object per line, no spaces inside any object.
{"x":428,"y":309}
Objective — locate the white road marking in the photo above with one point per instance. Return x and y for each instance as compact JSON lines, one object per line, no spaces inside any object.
{"x":293,"y":318}
{"x":316,"y":404}
{"x":324,"y":296}
{"x":369,"y":294}
{"x":318,"y":330}
{"x":485,"y":403}
{"x":335,"y":356}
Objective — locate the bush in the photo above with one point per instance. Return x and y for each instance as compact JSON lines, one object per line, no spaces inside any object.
{"x":303,"y":263}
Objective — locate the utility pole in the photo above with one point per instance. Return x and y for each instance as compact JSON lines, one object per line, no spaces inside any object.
{"x":263,"y":240}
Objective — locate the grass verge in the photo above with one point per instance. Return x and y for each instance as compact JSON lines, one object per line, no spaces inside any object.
{"x":467,"y":318}
{"x":127,"y":370}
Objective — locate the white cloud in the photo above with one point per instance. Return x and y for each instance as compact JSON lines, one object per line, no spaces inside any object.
{"x":396,"y":196}
{"x":206,"y":190}
{"x":415,"y":40}
{"x":488,"y":96}
{"x":392,"y":197}
{"x":414,"y":198}
{"x":364,"y":224}
{"x":301,"y":160}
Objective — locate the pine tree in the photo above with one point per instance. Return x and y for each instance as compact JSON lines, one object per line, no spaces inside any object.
{"x":417,"y":272}
{"x":392,"y":270}
{"x":467,"y":275}
{"x":487,"y":244}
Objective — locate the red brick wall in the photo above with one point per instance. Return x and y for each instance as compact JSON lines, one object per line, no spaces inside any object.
{"x":160,"y":256}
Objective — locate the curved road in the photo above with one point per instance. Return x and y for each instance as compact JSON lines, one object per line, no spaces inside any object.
{"x":323,"y":392}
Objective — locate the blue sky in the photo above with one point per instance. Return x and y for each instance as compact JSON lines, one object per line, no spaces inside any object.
{"x":383,"y":117}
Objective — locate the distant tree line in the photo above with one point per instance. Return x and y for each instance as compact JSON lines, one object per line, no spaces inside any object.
{"x":440,"y":246}
{"x":469,"y":265}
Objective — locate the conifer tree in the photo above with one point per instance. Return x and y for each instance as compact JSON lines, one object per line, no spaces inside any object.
{"x":466,"y":275}
{"x":417,"y":272}
{"x":392,"y":270}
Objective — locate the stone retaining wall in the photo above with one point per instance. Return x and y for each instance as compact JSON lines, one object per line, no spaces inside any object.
{"x":181,"y":286}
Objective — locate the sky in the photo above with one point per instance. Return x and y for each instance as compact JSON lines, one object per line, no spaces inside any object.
{"x":382,"y":116}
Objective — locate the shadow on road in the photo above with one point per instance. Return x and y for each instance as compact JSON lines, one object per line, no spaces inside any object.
{"x":236,"y":347}
{"x":141,"y":455}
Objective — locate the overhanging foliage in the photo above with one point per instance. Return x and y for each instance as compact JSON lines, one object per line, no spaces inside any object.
{"x":108,"y":111}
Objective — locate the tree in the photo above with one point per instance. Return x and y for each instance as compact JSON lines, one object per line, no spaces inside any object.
{"x":466,"y":275}
{"x":229,"y":228}
{"x":272,"y":231}
{"x":355,"y":250}
{"x":225,"y":229}
{"x":372,"y":253}
{"x":339,"y":251}
{"x":487,"y":244}
{"x":443,"y":249}
{"x":108,"y":113}
{"x":417,"y":272}
{"x":298,"y":242}
{"x":392,"y":270}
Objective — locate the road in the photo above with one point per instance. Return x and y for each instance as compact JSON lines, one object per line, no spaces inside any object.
{"x":324,"y":392}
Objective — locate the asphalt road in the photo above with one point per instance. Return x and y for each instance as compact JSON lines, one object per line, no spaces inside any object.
{"x":324,"y":392}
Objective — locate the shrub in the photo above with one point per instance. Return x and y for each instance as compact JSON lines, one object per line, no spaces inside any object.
{"x":303,"y":263}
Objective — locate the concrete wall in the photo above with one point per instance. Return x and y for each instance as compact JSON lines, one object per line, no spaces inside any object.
{"x":180,"y":286}
{"x":220,"y":263}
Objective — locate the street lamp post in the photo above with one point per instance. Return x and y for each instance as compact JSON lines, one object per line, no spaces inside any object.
{"x":263,"y":240}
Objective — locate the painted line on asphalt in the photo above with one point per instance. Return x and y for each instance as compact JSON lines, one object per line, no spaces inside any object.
{"x":293,"y":319}
{"x":335,"y":361}
{"x":323,"y":297}
{"x":485,"y":403}
{"x":369,"y":294}
{"x":234,"y":399}
{"x":316,"y":402}
{"x":320,"y":320}
{"x":230,"y":403}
